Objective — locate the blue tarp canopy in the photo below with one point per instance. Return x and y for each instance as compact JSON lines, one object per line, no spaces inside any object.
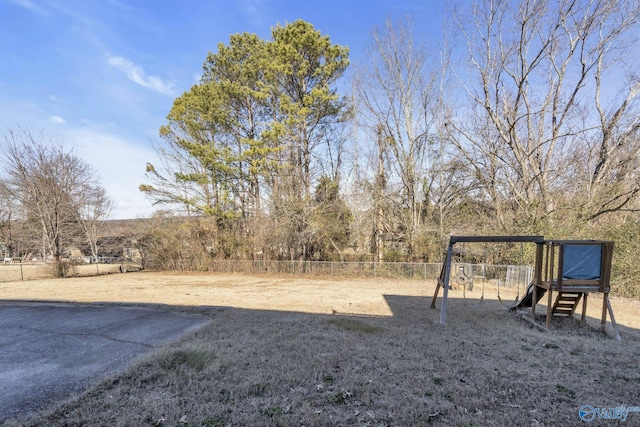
{"x":582,"y":262}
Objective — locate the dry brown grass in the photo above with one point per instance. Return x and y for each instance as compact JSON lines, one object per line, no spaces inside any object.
{"x":287,"y":351}
{"x":38,"y":271}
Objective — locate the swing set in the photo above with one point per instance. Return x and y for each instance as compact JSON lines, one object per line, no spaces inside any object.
{"x":465,"y":275}
{"x":570,"y":268}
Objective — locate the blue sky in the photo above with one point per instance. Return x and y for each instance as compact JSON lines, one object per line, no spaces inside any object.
{"x":103,"y":74}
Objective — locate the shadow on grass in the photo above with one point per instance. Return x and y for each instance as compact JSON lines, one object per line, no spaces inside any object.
{"x":262,"y":367}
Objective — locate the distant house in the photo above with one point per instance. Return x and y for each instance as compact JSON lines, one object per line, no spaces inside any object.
{"x":74,"y":253}
{"x":117,"y":248}
{"x":120,"y":247}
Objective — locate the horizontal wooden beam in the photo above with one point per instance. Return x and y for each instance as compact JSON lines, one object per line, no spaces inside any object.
{"x":496,"y":239}
{"x":579,"y":242}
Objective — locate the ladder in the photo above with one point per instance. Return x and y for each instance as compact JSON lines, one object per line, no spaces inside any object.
{"x":566,"y":303}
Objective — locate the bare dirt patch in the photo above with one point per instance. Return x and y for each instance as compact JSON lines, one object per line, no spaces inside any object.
{"x":296,"y":351}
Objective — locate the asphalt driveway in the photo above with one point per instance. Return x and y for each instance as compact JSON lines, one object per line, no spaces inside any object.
{"x":49,"y":351}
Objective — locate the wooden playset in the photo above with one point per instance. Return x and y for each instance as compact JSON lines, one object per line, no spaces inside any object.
{"x":570,"y":268}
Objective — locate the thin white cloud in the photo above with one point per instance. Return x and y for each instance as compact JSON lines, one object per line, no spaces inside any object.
{"x":56,"y":120}
{"x":136,"y":74}
{"x":29,"y":5}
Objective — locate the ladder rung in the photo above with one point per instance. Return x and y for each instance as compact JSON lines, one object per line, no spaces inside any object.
{"x":565,"y":298}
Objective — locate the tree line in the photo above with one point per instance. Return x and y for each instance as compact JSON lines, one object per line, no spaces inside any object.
{"x":522,"y":119}
{"x":525,"y":122}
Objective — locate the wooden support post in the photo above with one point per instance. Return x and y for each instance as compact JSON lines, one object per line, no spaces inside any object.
{"x":613,"y":319}
{"x":435,"y":295}
{"x":549,"y":307}
{"x":537,"y":270}
{"x":584,"y":307}
{"x":551,"y":272}
{"x":445,"y":284}
{"x":534,"y":301}
{"x":533,"y":322}
{"x":439,"y":284}
{"x":603,"y":322}
{"x":537,"y":278}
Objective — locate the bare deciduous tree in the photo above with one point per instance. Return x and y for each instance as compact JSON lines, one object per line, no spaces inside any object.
{"x":539,"y":101}
{"x":93,"y":208}
{"x":396,"y":92}
{"x":6,"y":215}
{"x":52,"y":186}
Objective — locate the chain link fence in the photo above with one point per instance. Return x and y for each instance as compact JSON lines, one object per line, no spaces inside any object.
{"x":21,"y":271}
{"x":462,"y":274}
{"x":510,"y":276}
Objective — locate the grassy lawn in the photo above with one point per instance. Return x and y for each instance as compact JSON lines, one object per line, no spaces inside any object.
{"x":286,"y":351}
